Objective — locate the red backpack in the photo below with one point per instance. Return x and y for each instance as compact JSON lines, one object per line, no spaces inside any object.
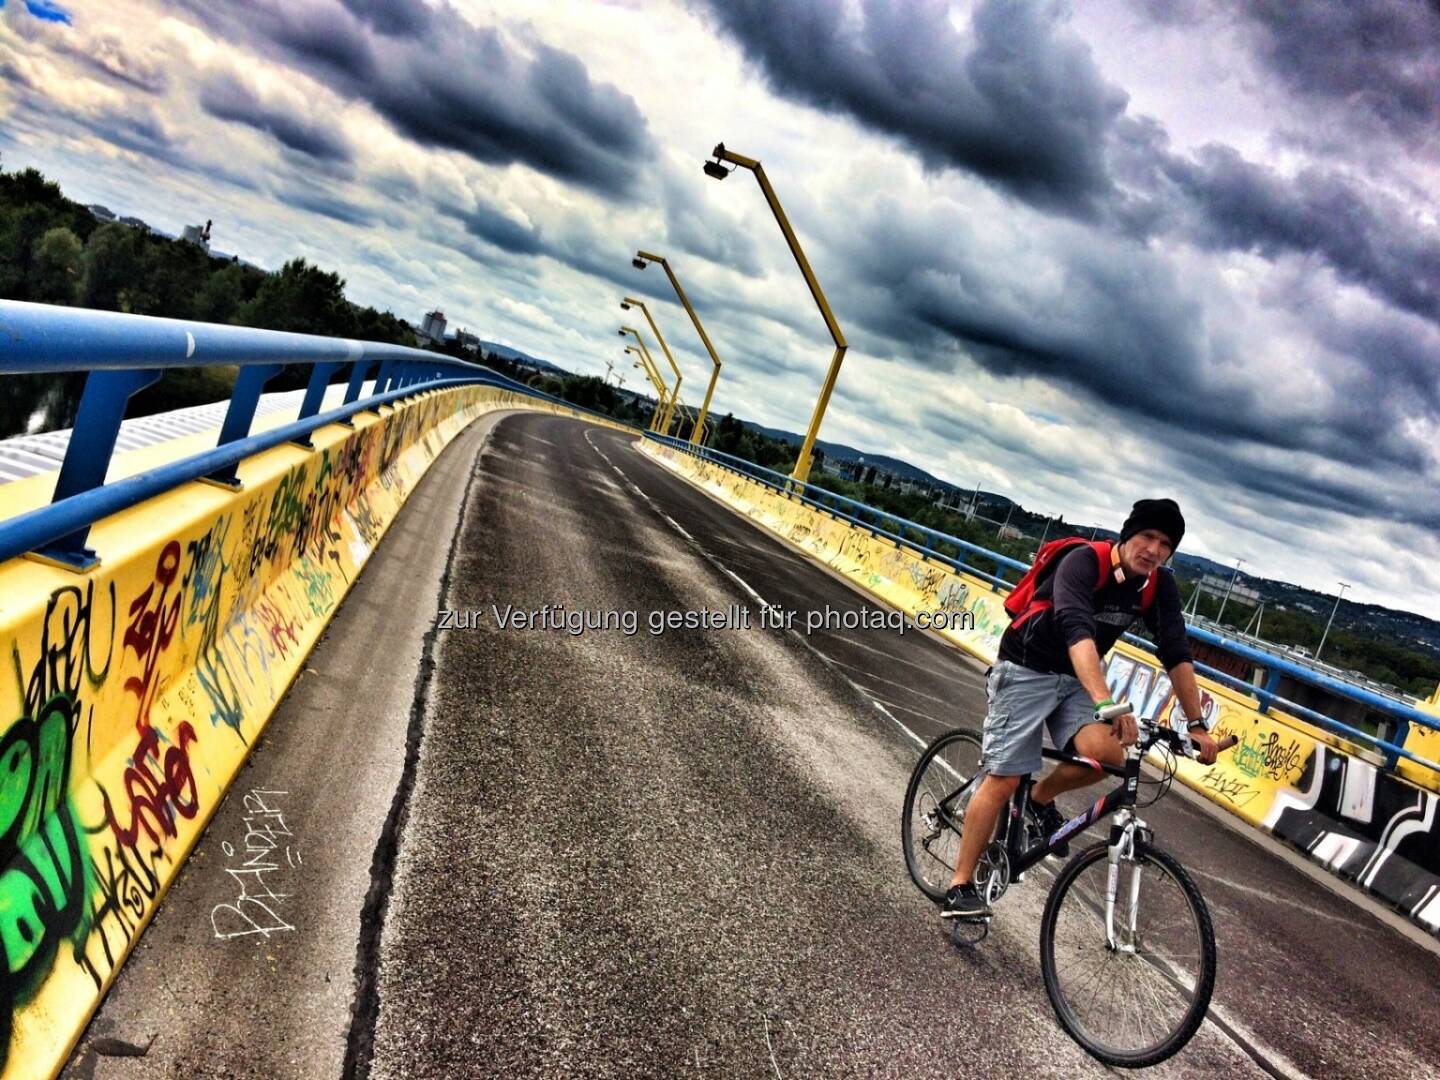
{"x":1021,"y":603}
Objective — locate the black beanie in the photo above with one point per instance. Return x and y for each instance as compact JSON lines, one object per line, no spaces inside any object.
{"x":1161,"y":514}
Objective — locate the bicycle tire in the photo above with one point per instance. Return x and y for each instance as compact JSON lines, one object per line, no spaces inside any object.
{"x":1167,"y":962}
{"x":947,"y":764}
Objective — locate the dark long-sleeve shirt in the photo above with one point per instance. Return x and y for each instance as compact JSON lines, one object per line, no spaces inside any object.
{"x":1042,"y":642}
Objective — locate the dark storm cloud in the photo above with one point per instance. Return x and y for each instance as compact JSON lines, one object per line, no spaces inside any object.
{"x":1117,"y":324}
{"x":1376,"y":59}
{"x":1266,"y":481}
{"x":1017,"y":100}
{"x":109,"y":56}
{"x":225,"y":97}
{"x":692,"y":227}
{"x":330,"y":206}
{"x":445,"y":83}
{"x":1366,"y":237}
{"x":494,"y":227}
{"x":393,"y":18}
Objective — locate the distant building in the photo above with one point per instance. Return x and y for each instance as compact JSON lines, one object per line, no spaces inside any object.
{"x":466,"y":340}
{"x":197,"y":235}
{"x":1010,"y":532}
{"x":101,"y":213}
{"x":135,"y":223}
{"x":1217,"y":586}
{"x":433,"y":328}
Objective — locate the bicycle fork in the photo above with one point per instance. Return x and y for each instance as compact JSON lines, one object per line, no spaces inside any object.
{"x":1122,"y":852}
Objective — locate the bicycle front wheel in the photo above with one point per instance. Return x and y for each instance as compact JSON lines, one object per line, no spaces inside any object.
{"x":1137,"y":1000}
{"x":930,"y":824}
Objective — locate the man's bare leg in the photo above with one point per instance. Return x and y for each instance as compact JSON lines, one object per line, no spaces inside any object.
{"x":980,"y":817}
{"x":1097,"y":741}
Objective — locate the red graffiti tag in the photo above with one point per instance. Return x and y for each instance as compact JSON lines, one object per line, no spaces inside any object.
{"x":156,"y":799}
{"x":151,"y":628}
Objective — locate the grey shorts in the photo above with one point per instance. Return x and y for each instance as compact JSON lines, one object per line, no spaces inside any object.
{"x":1022,"y":701}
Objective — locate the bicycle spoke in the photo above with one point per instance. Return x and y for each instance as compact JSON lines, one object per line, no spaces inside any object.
{"x":934,"y":810}
{"x":1137,"y":1003}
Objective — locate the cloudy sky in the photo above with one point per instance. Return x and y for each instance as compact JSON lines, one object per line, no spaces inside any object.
{"x":1082,"y":252}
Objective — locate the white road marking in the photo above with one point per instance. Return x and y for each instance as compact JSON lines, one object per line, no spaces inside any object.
{"x":749,"y":591}
{"x":901,"y":660}
{"x":1271,"y":897}
{"x":871,"y":677}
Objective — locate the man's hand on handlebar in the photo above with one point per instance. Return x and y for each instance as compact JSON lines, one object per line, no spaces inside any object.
{"x":1207,"y":749}
{"x":1121,"y":719}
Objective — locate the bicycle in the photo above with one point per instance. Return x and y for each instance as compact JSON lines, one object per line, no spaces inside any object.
{"x":1100,"y":945}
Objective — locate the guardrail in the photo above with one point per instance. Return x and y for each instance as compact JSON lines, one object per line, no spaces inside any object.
{"x":126,"y":353}
{"x":854,"y":512}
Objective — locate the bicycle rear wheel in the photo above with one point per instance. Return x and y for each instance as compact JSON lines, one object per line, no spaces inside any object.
{"x":1141,"y":1002}
{"x":934,"y":811}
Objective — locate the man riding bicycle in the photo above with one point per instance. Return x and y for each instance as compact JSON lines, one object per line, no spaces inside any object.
{"x":1048,"y":674}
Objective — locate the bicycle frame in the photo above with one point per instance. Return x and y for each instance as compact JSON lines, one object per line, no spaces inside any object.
{"x":1120,"y":801}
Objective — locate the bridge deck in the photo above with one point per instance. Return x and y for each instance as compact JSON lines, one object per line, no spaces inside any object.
{"x":646,"y":855}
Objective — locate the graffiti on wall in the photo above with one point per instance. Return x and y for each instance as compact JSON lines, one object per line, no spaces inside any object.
{"x":135,"y":696}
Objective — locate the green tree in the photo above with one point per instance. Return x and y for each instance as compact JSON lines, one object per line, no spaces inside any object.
{"x":303,"y":299}
{"x":171,"y":274}
{"x":55,"y":277}
{"x":110,"y":268}
{"x":221,"y":295}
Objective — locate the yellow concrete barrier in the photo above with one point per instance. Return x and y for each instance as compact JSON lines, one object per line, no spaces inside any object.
{"x":139,"y":689}
{"x":1330,"y":797}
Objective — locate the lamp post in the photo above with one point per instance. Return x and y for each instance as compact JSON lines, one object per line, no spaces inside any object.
{"x":643,"y":258}
{"x":649,"y":369}
{"x":1333,"y":610}
{"x":625,"y":305}
{"x":663,"y":404}
{"x":717,"y":170}
{"x":1225,"y":601}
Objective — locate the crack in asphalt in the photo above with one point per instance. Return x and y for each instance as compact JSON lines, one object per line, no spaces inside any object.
{"x":360,"y":1043}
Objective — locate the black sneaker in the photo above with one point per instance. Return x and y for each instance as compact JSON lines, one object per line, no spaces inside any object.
{"x":1051,"y":821}
{"x":964,"y":902}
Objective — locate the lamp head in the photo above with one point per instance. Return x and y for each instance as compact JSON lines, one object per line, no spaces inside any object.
{"x":624,"y":306}
{"x":638,"y":263}
{"x":715,"y":169}
{"x":620,"y":332}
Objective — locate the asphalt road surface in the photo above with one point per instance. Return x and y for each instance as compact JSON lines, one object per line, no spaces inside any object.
{"x":674,"y":854}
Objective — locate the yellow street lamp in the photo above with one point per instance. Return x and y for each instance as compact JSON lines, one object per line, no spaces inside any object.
{"x":661,"y":390}
{"x":717,"y":170}
{"x":663,"y":406}
{"x":642,"y":258}
{"x":625,"y":305}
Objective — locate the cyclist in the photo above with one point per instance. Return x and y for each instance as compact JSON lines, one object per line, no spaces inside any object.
{"x":1048,"y":673}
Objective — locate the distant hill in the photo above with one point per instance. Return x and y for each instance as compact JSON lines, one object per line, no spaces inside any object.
{"x":524,"y":358}
{"x":841,"y":452}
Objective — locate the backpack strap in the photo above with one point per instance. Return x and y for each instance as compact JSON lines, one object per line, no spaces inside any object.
{"x":1103,"y":553}
{"x":1147,"y":594}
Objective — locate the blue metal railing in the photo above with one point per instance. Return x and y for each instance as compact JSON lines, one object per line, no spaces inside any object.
{"x":828,"y":501}
{"x":125,"y":353}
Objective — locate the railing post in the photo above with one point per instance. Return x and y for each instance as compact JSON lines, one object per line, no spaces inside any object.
{"x":241,"y":414}
{"x":382,"y":381}
{"x":315,"y":394}
{"x":358,"y":371}
{"x":87,"y":457}
{"x":1272,"y":686}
